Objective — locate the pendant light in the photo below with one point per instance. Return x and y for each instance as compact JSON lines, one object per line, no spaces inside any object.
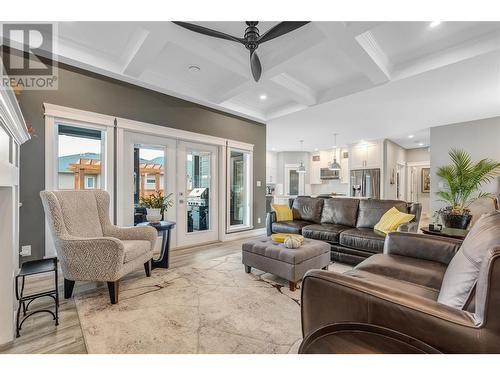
{"x":301,"y":168}
{"x":334,"y":166}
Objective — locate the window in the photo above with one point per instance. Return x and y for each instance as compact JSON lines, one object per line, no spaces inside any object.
{"x":149,"y":166}
{"x":239,"y":190}
{"x":90,"y":182}
{"x":80,"y":152}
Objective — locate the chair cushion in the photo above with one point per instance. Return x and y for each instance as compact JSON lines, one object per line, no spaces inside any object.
{"x":397,"y":285}
{"x":324,"y":232}
{"x":365,"y":239}
{"x":417,"y":271}
{"x":342,"y":211}
{"x":392,"y":219}
{"x":134,"y":249}
{"x":371,"y":211}
{"x":283,"y":212}
{"x":289,"y":226}
{"x":80,"y":213}
{"x":308,"y":209}
{"x":463,"y":271}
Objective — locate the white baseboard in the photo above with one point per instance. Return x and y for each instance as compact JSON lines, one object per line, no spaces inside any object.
{"x":244,"y":234}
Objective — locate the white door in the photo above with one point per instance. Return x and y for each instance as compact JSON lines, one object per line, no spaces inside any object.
{"x":154,"y":153}
{"x":197,"y":194}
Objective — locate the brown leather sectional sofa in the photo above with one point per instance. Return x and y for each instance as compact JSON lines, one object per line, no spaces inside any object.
{"x":441,"y":291}
{"x":345,"y":223}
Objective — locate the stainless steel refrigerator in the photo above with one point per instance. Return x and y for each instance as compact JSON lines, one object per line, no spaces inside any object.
{"x":365,"y":183}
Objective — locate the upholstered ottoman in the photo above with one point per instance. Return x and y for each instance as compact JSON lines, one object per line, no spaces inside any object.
{"x":290,"y":264}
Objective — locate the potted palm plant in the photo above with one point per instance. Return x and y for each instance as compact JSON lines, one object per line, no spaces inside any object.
{"x":464,"y":179}
{"x":156,"y":204}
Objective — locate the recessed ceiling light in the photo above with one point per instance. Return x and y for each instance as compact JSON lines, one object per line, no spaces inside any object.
{"x":316,"y":149}
{"x":411,"y":136}
{"x":420,"y":143}
{"x":194,"y":68}
{"x":263,"y":97}
{"x":433,"y":24}
{"x":273,"y":149}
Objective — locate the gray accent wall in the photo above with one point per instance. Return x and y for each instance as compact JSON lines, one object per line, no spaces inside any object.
{"x":480,"y":138}
{"x":88,"y":91}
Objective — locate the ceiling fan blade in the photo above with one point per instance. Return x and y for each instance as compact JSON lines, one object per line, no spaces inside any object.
{"x":207,"y":31}
{"x":281,"y":29}
{"x":255,"y":65}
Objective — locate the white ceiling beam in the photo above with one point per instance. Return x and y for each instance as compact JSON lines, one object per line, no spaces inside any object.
{"x":479,"y":46}
{"x":342,"y":38}
{"x":142,"y":48}
{"x":356,"y":28}
{"x":297,"y":90}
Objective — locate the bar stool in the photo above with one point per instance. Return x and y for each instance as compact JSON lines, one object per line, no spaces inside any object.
{"x":35,"y":267}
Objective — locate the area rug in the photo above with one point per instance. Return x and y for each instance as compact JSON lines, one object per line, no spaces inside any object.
{"x":213,"y":307}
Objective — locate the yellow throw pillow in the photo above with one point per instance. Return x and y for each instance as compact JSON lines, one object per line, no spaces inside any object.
{"x":281,"y":237}
{"x":283,"y":212}
{"x":392,"y":219}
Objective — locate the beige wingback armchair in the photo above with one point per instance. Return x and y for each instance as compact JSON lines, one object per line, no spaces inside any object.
{"x":88,"y":246}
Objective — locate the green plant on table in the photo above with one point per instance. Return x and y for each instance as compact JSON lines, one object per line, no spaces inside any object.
{"x":464,"y":179}
{"x":157,"y":200}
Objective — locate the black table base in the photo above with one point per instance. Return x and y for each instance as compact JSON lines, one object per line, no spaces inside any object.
{"x":32,"y":268}
{"x":164,"y":227}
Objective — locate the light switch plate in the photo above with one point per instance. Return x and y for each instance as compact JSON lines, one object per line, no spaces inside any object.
{"x":259,"y":184}
{"x":25,"y":251}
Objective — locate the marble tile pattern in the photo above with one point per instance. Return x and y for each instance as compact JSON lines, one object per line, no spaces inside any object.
{"x":211,"y":307}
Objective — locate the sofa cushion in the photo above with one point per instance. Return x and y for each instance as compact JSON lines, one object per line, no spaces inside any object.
{"x":392,"y":219}
{"x":134,"y":249}
{"x":371,"y":211}
{"x":365,"y":239}
{"x":417,"y":271}
{"x":324,"y":232}
{"x":395,"y":284}
{"x":342,"y":211}
{"x":290,"y":226}
{"x":308,"y":209}
{"x":462,"y":272}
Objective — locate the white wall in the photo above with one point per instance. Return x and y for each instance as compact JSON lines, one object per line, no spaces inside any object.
{"x":480,"y":138}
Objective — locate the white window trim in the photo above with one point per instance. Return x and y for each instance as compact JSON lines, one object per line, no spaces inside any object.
{"x":239,"y":227}
{"x":55,"y":114}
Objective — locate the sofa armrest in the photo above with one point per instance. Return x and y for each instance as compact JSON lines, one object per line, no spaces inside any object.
{"x":270,"y":219}
{"x":428,"y":247}
{"x":329,"y":298}
{"x":93,"y":259}
{"x":145,"y":233}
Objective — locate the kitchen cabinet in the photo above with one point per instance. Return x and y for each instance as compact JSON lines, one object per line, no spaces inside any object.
{"x":365,"y":156}
{"x":271,"y":168}
{"x":315,"y":169}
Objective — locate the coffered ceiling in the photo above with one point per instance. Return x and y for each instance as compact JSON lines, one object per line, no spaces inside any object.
{"x":319,"y":65}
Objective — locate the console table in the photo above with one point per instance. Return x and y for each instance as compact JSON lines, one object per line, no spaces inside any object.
{"x":459,"y":234}
{"x":163,"y":227}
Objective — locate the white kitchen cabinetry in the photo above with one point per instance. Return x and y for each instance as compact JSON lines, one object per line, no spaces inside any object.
{"x":271,"y":167}
{"x":367,"y":155}
{"x":315,"y":169}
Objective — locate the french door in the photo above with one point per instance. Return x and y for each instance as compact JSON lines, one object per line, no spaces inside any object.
{"x":197,"y":194}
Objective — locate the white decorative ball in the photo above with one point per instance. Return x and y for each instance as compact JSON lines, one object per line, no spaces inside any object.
{"x":292,"y":243}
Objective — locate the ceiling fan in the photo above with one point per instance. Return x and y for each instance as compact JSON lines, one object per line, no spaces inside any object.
{"x":251,"y":40}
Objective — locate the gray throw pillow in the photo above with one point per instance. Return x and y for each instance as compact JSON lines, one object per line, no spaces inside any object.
{"x":462,"y":273}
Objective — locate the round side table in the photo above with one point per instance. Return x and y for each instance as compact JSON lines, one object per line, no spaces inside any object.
{"x":163,"y":227}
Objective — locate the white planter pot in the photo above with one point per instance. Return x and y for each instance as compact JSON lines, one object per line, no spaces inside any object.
{"x":153,"y":215}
